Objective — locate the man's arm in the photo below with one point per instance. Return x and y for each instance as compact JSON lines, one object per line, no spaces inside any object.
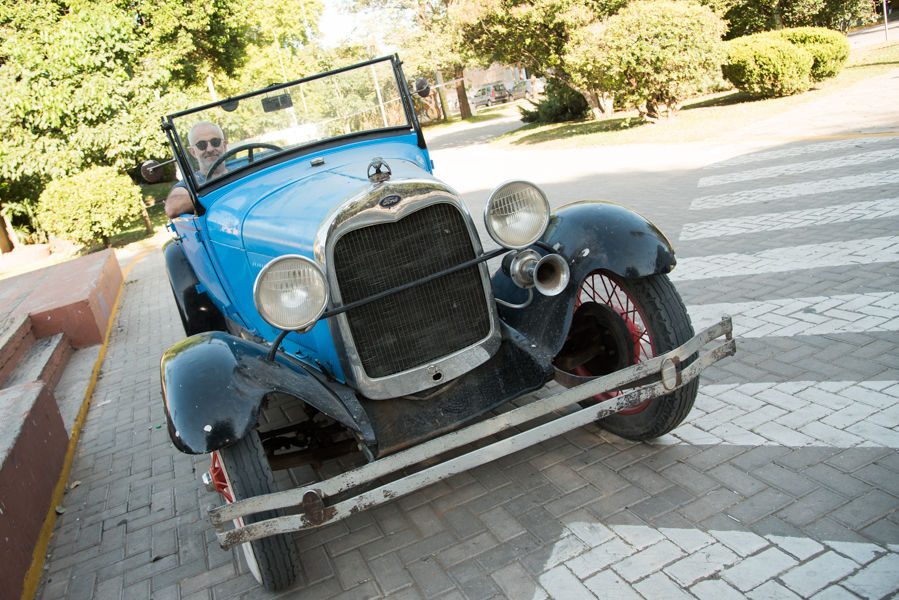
{"x":178,"y":202}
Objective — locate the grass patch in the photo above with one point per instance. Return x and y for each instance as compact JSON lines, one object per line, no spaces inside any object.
{"x":708,"y":117}
{"x":455,"y":120}
{"x":155,"y":193}
{"x":137,"y":231}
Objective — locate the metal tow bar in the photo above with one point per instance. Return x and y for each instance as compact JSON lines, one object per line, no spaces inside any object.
{"x":661,"y":371}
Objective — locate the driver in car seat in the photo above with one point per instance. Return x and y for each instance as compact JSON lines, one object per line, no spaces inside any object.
{"x":207,"y":143}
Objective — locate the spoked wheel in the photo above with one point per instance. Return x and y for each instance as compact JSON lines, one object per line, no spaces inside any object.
{"x":618,"y":322}
{"x":241,"y":471}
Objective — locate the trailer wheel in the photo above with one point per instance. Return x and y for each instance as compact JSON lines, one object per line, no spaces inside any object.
{"x":272,"y":560}
{"x":628,"y":321}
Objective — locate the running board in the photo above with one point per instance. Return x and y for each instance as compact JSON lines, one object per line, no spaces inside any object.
{"x":661,"y":370}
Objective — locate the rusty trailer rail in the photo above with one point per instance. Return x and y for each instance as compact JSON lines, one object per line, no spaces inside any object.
{"x":661,"y":372}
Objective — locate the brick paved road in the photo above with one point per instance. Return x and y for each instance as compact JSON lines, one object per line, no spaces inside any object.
{"x":783,"y":483}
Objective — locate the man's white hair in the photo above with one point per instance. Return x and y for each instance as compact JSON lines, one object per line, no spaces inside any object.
{"x":190,"y":135}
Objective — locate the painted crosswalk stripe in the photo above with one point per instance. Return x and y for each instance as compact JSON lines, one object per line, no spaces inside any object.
{"x":793,"y":190}
{"x":778,"y":260}
{"x":818,"y":315}
{"x":798,"y":151}
{"x":595,"y":560}
{"x":841,"y":213}
{"x":829,"y":164}
{"x":836,"y":414}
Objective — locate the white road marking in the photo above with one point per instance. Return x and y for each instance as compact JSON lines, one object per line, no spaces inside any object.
{"x":794,"y":190}
{"x":841,"y":213}
{"x":710,"y":564}
{"x":792,"y":258}
{"x":828,"y":164}
{"x":835,"y":414}
{"x":798,"y":151}
{"x":818,"y":315}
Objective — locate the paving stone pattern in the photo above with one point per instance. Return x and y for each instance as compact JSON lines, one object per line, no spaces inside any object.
{"x":783,"y":483}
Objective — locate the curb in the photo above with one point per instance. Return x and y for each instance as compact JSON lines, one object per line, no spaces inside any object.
{"x":32,"y":577}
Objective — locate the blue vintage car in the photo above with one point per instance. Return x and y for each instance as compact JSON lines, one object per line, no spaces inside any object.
{"x":340,"y":311}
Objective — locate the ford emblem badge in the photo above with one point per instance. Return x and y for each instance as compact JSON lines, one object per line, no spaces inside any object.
{"x":388,"y":201}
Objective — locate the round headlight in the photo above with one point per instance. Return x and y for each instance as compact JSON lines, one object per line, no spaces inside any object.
{"x":291,"y":292}
{"x":516,"y":214}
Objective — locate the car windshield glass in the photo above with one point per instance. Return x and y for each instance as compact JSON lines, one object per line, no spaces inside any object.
{"x":365,"y":98}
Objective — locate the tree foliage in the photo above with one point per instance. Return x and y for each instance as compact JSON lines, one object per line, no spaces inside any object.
{"x":534,"y":33}
{"x":428,"y":35}
{"x":651,"y":54}
{"x":90,"y":206}
{"x":85,"y":82}
{"x":747,"y":17}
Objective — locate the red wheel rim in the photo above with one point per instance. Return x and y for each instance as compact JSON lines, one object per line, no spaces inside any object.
{"x":605,"y":289}
{"x":218,"y":478}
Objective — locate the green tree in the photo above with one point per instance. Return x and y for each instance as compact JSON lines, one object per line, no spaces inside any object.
{"x":652,"y":54}
{"x":747,"y":17}
{"x":535,"y":33}
{"x":426,"y":33}
{"x":86,"y":81}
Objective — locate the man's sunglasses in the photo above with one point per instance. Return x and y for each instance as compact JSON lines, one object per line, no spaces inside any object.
{"x":201,"y":145}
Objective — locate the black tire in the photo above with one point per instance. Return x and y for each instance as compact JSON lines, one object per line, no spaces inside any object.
{"x":248,"y":474}
{"x":489,"y":103}
{"x":665,"y":326}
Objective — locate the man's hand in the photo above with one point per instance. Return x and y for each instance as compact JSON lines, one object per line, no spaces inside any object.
{"x":178,"y":203}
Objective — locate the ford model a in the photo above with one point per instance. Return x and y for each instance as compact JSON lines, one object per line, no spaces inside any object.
{"x":346,"y":338}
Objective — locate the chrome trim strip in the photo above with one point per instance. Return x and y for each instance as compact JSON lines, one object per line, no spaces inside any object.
{"x":362,"y":210}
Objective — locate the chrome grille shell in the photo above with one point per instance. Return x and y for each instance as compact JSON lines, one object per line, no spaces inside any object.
{"x":365,"y":210}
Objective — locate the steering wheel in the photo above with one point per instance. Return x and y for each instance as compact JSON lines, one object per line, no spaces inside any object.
{"x":249,"y":147}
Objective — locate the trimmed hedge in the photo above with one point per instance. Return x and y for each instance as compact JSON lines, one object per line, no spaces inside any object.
{"x":767,"y":66}
{"x":829,"y":48}
{"x":90,"y":206}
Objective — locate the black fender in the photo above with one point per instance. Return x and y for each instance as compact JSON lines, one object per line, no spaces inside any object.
{"x":214,"y":383}
{"x":198,"y":312}
{"x":590,"y":235}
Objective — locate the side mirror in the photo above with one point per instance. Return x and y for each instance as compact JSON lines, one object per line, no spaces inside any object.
{"x":422,"y":87}
{"x":151,"y":170}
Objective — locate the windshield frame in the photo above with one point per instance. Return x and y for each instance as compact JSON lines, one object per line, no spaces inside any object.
{"x":181,"y":154}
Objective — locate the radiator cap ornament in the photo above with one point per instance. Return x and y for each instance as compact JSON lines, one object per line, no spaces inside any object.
{"x":375,"y":173}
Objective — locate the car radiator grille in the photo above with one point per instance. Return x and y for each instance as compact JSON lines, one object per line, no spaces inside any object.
{"x":418,"y":325}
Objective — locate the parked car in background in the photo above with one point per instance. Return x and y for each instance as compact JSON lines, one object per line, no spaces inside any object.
{"x":491,"y":94}
{"x":347,"y":343}
{"x":522,"y":89}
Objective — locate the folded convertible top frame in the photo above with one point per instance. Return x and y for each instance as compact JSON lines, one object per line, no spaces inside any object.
{"x":661,"y":371}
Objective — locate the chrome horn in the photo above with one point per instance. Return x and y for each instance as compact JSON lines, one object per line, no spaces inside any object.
{"x":549,"y":274}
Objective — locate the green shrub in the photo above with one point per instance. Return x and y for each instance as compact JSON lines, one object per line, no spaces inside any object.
{"x":767,"y":66}
{"x":829,"y":48}
{"x":561,"y":103}
{"x":656,"y":54}
{"x":90,"y":206}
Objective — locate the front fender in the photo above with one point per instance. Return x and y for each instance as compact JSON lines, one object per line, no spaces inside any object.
{"x":591,"y":235}
{"x":213,"y":385}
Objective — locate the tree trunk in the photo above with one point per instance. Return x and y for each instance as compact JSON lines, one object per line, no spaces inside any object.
{"x":595,"y":107}
{"x":146,"y":216}
{"x":602,"y":104}
{"x":464,"y":108}
{"x":8,"y":235}
{"x":778,"y":17}
{"x":441,"y":92}
{"x":107,"y":243}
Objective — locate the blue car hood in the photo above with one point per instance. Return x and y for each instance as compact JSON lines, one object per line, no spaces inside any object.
{"x":279,"y":210}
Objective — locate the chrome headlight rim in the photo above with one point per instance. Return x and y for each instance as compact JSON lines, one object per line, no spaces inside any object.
{"x":271,"y":264}
{"x":492,"y":197}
